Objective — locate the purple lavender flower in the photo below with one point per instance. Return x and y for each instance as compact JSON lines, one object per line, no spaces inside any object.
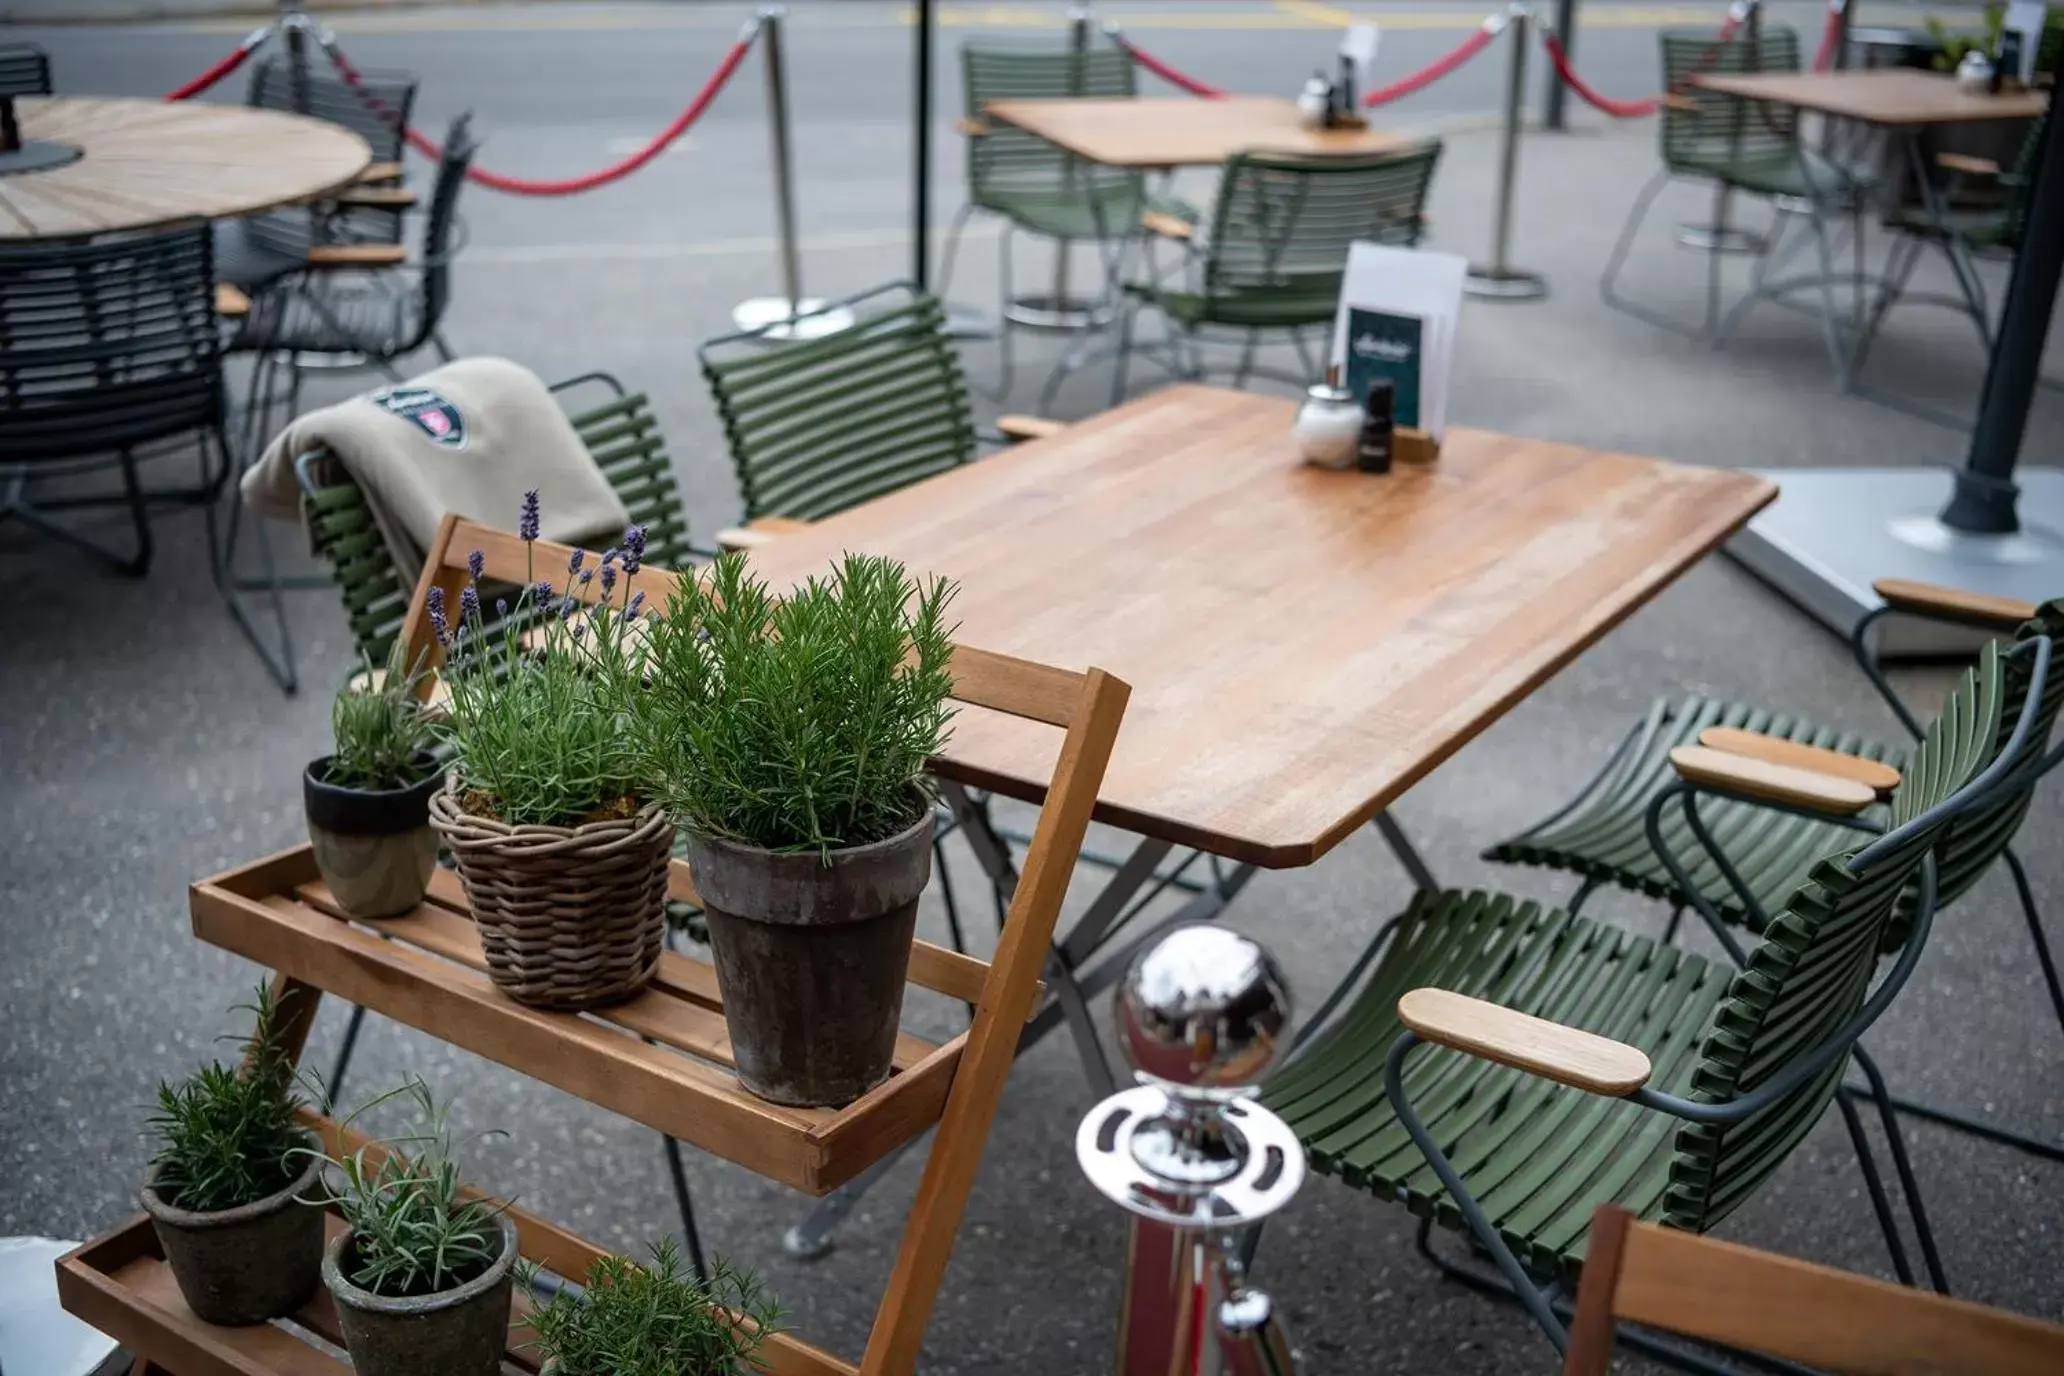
{"x":573,"y":564}
{"x":579,"y":629}
{"x":434,"y":604}
{"x":527,"y":523}
{"x":542,"y":593}
{"x":608,"y":577}
{"x":637,"y":605}
{"x":586,"y":576}
{"x":609,"y":556}
{"x":634,"y":549}
{"x":476,"y":565}
{"x":501,"y":606}
{"x":566,"y":606}
{"x":469,"y":604}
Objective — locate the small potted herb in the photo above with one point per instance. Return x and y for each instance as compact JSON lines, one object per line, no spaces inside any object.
{"x":421,"y":1276}
{"x":790,"y":738}
{"x":368,"y":802}
{"x":223,"y":1189}
{"x":562,"y":853}
{"x":631,"y":1320}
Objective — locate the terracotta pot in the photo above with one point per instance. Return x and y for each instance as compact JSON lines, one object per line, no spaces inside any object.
{"x":374,"y":846}
{"x":245,"y":1265}
{"x":458,"y":1332}
{"x":812,"y":957}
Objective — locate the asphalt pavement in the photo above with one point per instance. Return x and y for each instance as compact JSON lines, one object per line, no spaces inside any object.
{"x":141,"y":747}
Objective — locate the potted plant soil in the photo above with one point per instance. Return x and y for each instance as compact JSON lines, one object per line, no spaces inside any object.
{"x":368,"y":801}
{"x":562,"y":852}
{"x":631,"y":1320}
{"x":421,"y":1275}
{"x":789,"y":738}
{"x":224,"y":1188}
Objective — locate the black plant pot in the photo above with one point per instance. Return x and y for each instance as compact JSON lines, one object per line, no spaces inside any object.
{"x":812,"y":957}
{"x":248,"y":1264}
{"x":374,"y":846}
{"x":462,"y":1331}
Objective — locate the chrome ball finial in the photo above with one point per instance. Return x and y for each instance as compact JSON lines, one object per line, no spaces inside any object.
{"x":1204,"y":1013}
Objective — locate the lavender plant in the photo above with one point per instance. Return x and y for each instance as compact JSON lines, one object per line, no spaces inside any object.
{"x":803,"y":723}
{"x":380,"y":728}
{"x":541,"y":698}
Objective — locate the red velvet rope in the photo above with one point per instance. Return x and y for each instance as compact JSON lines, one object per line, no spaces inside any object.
{"x":231,"y":60}
{"x":1434,"y":71}
{"x":1168,"y":73}
{"x":522,"y":186}
{"x":1830,"y":39}
{"x":1618,"y":109}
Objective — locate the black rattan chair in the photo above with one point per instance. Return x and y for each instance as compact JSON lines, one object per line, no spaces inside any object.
{"x":108,"y":347}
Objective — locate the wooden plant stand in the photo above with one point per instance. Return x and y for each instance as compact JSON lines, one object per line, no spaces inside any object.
{"x":662,"y":1058}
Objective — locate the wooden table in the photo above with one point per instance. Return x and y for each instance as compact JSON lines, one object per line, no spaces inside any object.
{"x":1182,"y":132}
{"x":154,"y":162}
{"x":1888,"y":97}
{"x":1303,"y":645}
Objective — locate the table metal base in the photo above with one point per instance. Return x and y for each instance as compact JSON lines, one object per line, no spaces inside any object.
{"x":1832,"y":531}
{"x":1721,"y":239}
{"x":1045,"y":311}
{"x":782,"y":323}
{"x":37,"y":155}
{"x":1505,"y":284}
{"x":969,"y":322}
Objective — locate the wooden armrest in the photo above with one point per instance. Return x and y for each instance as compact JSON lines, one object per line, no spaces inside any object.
{"x":1879,"y":777}
{"x":972,"y":128}
{"x":1931,"y":599}
{"x":381,"y":172}
{"x":1167,"y":226}
{"x":231,"y":301}
{"x":753,"y":534}
{"x":1967,"y":164}
{"x":1015,"y":428}
{"x":1683,"y":104}
{"x":357,"y":256}
{"x":380,"y":197}
{"x":1581,"y":1060}
{"x":1775,"y":783}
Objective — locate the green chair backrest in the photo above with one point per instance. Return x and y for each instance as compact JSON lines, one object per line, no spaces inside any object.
{"x":1287,"y":223}
{"x":620,"y":434}
{"x":1007,"y":161}
{"x":819,"y":425}
{"x":1710,"y":125}
{"x":1814,"y":967}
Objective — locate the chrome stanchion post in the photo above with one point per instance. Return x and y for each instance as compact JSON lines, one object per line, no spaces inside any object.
{"x":1721,"y":236}
{"x":1498,"y":279}
{"x":1553,"y":113}
{"x":790,"y":315}
{"x":1202,"y":1015}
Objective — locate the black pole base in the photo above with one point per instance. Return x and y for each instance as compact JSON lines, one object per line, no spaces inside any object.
{"x":1982,"y":504}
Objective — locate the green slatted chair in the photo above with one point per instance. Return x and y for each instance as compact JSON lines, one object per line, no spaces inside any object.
{"x":1270,"y":253}
{"x":824,"y":424}
{"x":1731,"y":144}
{"x":1611,"y":833}
{"x":1696,"y":1080}
{"x":620,"y":434}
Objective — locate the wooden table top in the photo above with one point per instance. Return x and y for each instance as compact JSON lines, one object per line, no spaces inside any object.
{"x":1885,"y":96}
{"x":1302,"y":645}
{"x":1183,"y":132}
{"x":153,"y":162}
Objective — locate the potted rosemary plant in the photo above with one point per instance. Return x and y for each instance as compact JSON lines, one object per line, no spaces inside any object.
{"x":368,"y":801}
{"x":631,"y":1320}
{"x":562,"y":853}
{"x":421,"y":1274}
{"x":223,"y":1189}
{"x":789,"y":738}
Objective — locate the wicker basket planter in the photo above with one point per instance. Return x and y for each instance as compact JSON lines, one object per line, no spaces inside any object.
{"x":569,"y":917}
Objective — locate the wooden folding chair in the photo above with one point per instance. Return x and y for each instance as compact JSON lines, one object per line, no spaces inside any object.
{"x":1775,"y":1306}
{"x":662,"y":1058}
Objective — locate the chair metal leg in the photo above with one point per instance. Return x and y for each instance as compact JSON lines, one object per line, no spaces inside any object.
{"x":442,"y":345}
{"x":1616,"y":261}
{"x":1575,"y":904}
{"x":1895,"y":1140}
{"x":2035,"y":932}
{"x":1005,"y":326}
{"x":1670,"y":927}
{"x":278,"y":662}
{"x":1874,"y":1186}
{"x":15,"y":503}
{"x":950,"y":251}
{"x":1128,"y":317}
{"x":689,"y":1233}
{"x":1246,"y":368}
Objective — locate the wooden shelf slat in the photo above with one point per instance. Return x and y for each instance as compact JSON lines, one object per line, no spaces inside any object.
{"x":425,"y":969}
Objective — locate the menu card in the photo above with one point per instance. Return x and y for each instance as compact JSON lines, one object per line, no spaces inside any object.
{"x":1399,"y":308}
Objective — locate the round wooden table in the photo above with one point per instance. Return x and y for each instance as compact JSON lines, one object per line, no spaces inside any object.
{"x":109,"y":164}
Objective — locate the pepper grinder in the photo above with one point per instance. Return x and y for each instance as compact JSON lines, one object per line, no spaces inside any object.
{"x":1202,"y":1016}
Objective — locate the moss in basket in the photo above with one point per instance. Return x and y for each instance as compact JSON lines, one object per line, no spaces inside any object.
{"x":380,"y":728}
{"x":802,"y":723}
{"x":412,"y":1231}
{"x":226,"y":1134}
{"x":540,"y":697}
{"x":632,"y":1320}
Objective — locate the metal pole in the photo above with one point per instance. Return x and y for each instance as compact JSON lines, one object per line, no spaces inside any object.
{"x":1845,"y":14}
{"x":1722,"y":236}
{"x":1500,"y":280}
{"x":293,"y":22}
{"x":791,"y":315}
{"x":1984,"y":500}
{"x":921,"y":176}
{"x":1552,"y":113}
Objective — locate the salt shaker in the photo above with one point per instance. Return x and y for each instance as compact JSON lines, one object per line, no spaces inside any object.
{"x":1329,"y":424}
{"x":1974,"y":73}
